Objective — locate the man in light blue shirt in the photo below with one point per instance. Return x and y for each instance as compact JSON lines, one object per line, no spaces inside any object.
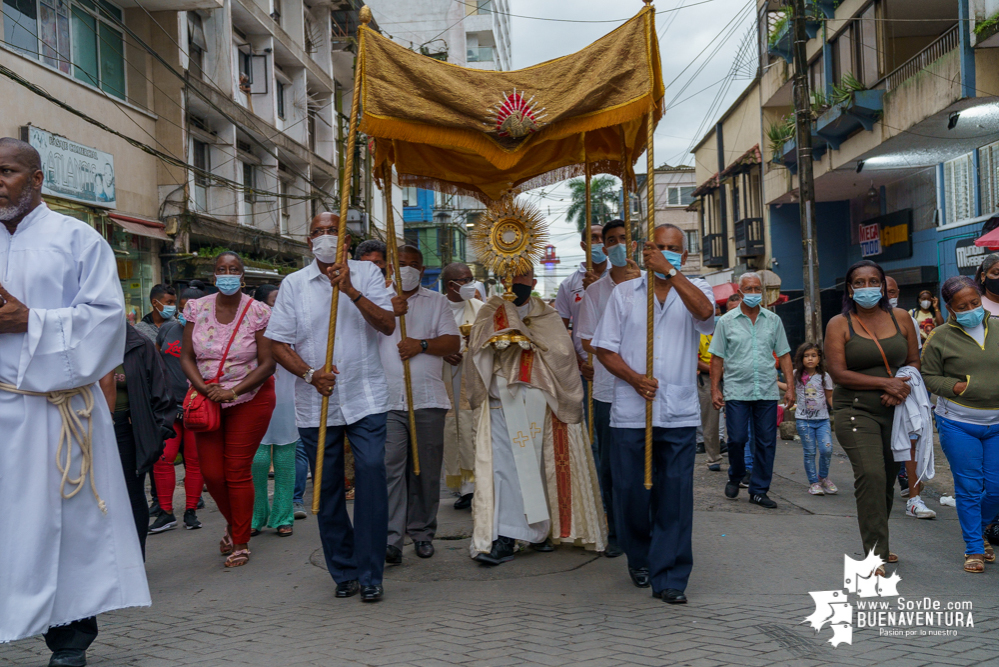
{"x":746,"y":341}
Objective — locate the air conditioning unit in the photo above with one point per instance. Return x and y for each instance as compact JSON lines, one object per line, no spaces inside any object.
{"x":357,"y":222}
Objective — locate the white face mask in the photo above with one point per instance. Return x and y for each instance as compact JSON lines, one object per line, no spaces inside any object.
{"x":324,"y":248}
{"x":410,"y":278}
{"x":925,"y":305}
{"x":893,"y":302}
{"x":467,"y":292}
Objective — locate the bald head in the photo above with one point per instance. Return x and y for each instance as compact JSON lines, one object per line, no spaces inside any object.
{"x":21,"y":180}
{"x":23,"y":152}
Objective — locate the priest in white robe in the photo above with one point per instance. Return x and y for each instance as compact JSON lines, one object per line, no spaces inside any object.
{"x":69,"y":549}
{"x":534,"y":471}
{"x":459,"y":425}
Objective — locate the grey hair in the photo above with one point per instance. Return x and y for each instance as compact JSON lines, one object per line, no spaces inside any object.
{"x":370,"y":246}
{"x":987,"y":263}
{"x":670,"y":225}
{"x":750,"y":274}
{"x":955,"y":284}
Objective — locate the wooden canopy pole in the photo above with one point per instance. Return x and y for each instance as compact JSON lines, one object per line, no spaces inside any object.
{"x":626,"y":195}
{"x":589,"y":268}
{"x":341,"y":254}
{"x":393,"y":258}
{"x":650,"y":277}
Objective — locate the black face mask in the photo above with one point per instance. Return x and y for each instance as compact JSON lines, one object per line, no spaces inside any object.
{"x":523,"y":293}
{"x":992,"y":285}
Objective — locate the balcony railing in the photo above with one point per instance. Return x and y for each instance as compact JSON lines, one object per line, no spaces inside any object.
{"x":481,"y":54}
{"x":749,"y":240}
{"x":714,"y":250}
{"x":943,"y":45}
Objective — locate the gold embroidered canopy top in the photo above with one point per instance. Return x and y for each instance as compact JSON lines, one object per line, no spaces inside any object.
{"x":483,"y":133}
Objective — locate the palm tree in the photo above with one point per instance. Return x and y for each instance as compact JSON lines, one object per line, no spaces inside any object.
{"x":603,"y":201}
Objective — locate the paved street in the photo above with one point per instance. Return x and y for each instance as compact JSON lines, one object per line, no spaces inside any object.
{"x":748,"y":596}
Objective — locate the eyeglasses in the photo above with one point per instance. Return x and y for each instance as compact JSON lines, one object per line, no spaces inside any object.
{"x":322,"y":231}
{"x":462,"y":281}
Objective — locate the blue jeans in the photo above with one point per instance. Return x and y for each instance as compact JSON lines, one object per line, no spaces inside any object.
{"x":654,"y":526}
{"x":752,"y":424}
{"x":973,"y":454}
{"x":815,"y":437}
{"x":604,"y":441}
{"x":358,"y":551}
{"x":302,"y":467}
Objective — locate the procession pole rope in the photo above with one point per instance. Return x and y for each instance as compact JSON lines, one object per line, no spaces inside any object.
{"x":393,"y":249}
{"x":625,"y":195}
{"x":589,"y":267}
{"x":341,"y":254}
{"x":651,"y":281}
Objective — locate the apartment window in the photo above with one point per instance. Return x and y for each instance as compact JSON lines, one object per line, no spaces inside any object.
{"x":245,"y":66}
{"x":201,"y":159}
{"x":865,"y":35}
{"x":249,"y":182}
{"x":693,"y":241}
{"x":483,"y":6}
{"x":197,"y":45}
{"x":409,"y":196}
{"x":78,"y":37}
{"x":276,"y":11}
{"x":680,"y":196}
{"x":280,"y":99}
{"x":843,"y":52}
{"x":959,"y":196}
{"x":817,"y":76}
{"x":988,"y":174}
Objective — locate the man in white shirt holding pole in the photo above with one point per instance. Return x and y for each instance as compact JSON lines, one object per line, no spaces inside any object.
{"x":431,"y":334}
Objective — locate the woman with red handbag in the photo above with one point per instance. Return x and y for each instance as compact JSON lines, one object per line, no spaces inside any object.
{"x":229,"y":364}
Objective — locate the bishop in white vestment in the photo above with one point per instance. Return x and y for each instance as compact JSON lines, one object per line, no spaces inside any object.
{"x":63,"y":559}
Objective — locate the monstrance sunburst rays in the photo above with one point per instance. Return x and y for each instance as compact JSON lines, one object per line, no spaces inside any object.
{"x":510,"y":238}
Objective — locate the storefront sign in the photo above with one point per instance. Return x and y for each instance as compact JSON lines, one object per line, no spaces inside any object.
{"x":969,"y":256}
{"x":73,"y":171}
{"x":887,"y":237}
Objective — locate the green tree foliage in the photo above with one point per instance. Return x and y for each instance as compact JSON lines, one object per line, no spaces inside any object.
{"x":603,"y":201}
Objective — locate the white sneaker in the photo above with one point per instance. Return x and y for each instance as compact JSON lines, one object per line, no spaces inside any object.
{"x":917,"y":509}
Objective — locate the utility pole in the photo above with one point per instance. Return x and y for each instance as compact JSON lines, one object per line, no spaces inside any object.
{"x":806,"y":181}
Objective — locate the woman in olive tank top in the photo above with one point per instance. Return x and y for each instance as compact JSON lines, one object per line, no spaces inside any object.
{"x":865,"y":347}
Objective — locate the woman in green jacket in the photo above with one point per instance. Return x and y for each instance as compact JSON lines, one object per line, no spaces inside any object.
{"x":960,"y":365}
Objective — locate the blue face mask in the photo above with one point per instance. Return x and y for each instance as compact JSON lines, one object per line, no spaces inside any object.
{"x":618,"y":255}
{"x":752,"y":300}
{"x":970,"y":319}
{"x":168,"y":312}
{"x":867,"y":297}
{"x":674,"y":258}
{"x":597,"y":253}
{"x":228,"y":285}
{"x":182,"y":320}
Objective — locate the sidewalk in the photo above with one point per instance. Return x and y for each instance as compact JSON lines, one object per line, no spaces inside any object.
{"x":748,"y":596}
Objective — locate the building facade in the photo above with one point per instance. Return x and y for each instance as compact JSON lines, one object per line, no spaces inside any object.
{"x":674,"y":194}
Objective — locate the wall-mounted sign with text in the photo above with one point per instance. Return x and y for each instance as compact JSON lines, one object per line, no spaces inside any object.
{"x":969,"y":256}
{"x":73,"y":171}
{"x":887,"y":237}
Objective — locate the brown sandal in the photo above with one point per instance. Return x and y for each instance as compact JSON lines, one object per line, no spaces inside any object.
{"x":892,"y":558}
{"x":238,"y":558}
{"x":284,"y":531}
{"x":974,"y":563}
{"x":225,"y":545}
{"x":990,"y":553}
{"x":880,"y":571}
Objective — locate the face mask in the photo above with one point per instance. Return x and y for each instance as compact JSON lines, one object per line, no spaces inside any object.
{"x":867,"y":297}
{"x":522,"y":292}
{"x":597,"y":253}
{"x":893,"y":302}
{"x":970,"y":318}
{"x":674,"y":258}
{"x":992,"y":285}
{"x":618,"y":255}
{"x":752,"y":300}
{"x":324,"y":248}
{"x":168,"y":312}
{"x":228,"y":285}
{"x":925,"y":305}
{"x":182,"y":320}
{"x":410,"y":278}
{"x":467,"y":292}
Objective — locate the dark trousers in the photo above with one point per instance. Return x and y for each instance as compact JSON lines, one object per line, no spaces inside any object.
{"x":602,"y":454}
{"x":135,"y":484}
{"x":759,"y":419}
{"x":413,"y":499}
{"x":654,"y":526}
{"x":358,"y":551}
{"x":78,"y":635}
{"x":302,"y":467}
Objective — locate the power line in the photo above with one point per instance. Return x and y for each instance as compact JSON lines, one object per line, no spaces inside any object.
{"x":542,"y":18}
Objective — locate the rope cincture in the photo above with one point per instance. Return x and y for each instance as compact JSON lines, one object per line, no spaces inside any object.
{"x":72,"y":429}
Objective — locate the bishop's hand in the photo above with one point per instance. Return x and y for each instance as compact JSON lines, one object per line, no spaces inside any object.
{"x":13,"y":314}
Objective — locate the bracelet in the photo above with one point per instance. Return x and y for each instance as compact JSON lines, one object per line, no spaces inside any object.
{"x":359,"y":296}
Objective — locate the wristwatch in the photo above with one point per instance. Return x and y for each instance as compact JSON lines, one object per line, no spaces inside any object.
{"x":672,"y":272}
{"x":307,"y":375}
{"x":423,"y":345}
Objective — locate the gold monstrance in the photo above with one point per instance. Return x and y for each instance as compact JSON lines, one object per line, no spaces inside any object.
{"x":509,"y":239}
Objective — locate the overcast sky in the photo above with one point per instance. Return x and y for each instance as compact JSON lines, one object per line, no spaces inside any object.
{"x":684,"y":34}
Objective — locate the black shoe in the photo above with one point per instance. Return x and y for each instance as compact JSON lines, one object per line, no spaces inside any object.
{"x":191,"y":520}
{"x":723,"y":448}
{"x":715,"y":467}
{"x":371,"y":593}
{"x":154,"y":508}
{"x":423,"y":549}
{"x":673,"y":596}
{"x":201,"y":502}
{"x":762,"y":500}
{"x":464,"y":502}
{"x":545,"y":547}
{"x":613,"y":550}
{"x":163,"y":523}
{"x":731,"y":490}
{"x":501,"y":552}
{"x":393,"y":555}
{"x":744,"y":484}
{"x":68,"y":657}
{"x":347,"y":589}
{"x":640,"y":575}
{"x":700,"y":448}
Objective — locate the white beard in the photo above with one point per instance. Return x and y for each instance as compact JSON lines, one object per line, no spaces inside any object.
{"x":19,"y":208}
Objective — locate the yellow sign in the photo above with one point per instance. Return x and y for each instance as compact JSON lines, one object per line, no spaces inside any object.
{"x":894,"y":234}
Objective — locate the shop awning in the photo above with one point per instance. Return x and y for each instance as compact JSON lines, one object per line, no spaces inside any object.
{"x":988,"y":240}
{"x":140,"y":227}
{"x":724,"y":291}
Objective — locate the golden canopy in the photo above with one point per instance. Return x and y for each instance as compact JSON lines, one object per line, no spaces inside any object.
{"x":485,"y":133}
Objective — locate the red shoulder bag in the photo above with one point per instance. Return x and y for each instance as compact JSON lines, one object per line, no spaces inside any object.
{"x":200,"y":413}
